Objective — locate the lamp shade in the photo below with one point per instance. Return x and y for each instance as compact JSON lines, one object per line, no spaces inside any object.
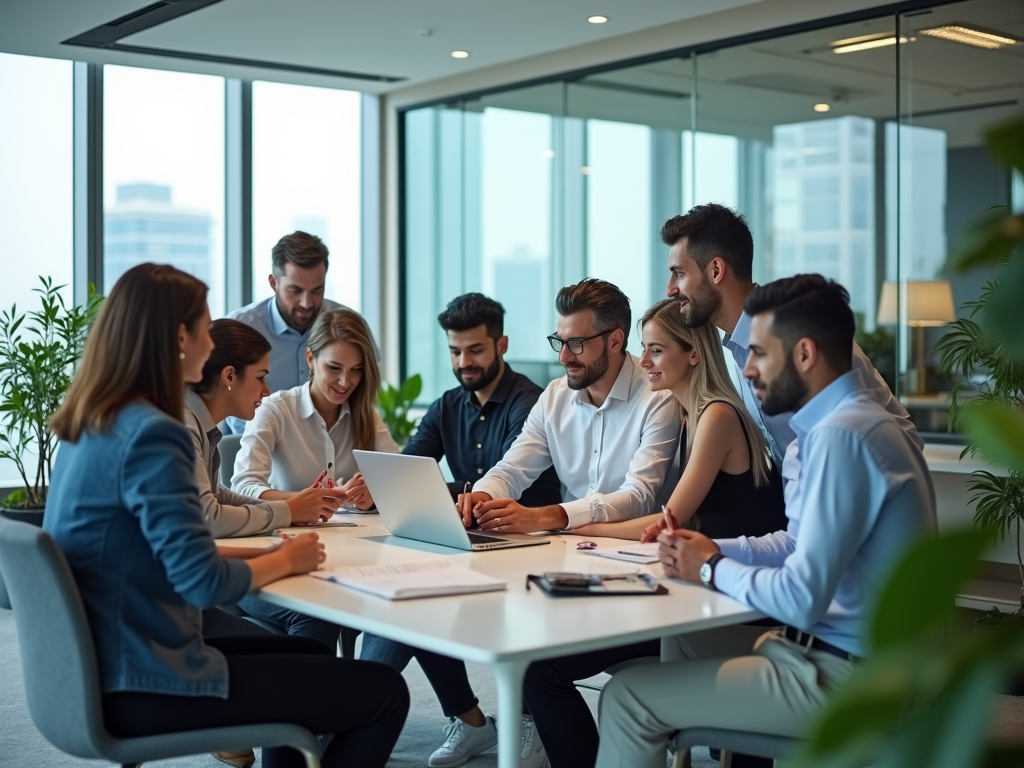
{"x":929,"y":302}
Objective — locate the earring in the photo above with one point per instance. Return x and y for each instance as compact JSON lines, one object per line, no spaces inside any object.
{"x":229,"y":387}
{"x":181,"y":355}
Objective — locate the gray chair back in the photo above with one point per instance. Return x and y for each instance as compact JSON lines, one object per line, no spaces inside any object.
{"x":57,"y":652}
{"x":228,"y":447}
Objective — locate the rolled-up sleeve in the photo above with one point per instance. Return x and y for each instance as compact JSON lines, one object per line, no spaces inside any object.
{"x":255,"y":457}
{"x":158,"y":482}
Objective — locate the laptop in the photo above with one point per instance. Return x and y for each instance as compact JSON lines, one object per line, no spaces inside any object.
{"x":414,"y":503}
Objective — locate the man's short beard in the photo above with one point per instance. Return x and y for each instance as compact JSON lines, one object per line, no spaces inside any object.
{"x":785,"y":393}
{"x":489,"y":374}
{"x":700,"y":306}
{"x":293,"y":322}
{"x":592,"y":373}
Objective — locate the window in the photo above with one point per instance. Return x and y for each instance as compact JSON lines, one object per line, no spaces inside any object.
{"x":163,"y":174}
{"x":36,"y":203}
{"x":306,"y":175}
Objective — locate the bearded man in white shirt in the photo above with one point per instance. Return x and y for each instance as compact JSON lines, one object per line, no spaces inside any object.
{"x":609,"y":437}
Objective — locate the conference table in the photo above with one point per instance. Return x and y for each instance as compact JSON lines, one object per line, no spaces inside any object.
{"x":503,"y":630}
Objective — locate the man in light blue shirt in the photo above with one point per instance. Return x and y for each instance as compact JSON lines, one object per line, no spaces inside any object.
{"x":711,"y":265}
{"x":862,"y":495}
{"x":299,"y":264}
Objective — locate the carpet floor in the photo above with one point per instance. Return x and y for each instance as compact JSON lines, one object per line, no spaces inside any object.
{"x":22,"y":746}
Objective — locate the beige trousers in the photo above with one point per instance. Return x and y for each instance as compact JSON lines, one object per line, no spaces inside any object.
{"x":772,"y":689}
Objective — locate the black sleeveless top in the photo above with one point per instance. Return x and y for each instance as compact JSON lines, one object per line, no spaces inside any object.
{"x":734,"y":507}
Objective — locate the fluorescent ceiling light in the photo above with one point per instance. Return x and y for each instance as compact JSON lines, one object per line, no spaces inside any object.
{"x":958,"y":33}
{"x":822,"y":107}
{"x":866,"y":43}
{"x":597,"y":19}
{"x":460,"y":54}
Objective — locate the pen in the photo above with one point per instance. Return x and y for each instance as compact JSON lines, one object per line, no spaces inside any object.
{"x":670,"y":522}
{"x":321,"y":476}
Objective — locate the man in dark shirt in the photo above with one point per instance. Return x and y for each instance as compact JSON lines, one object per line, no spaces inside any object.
{"x":471,"y":426}
{"x":474,"y":424}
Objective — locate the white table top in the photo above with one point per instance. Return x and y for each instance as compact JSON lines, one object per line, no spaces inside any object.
{"x":513,"y":625}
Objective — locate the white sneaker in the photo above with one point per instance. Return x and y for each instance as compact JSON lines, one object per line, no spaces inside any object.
{"x":463,"y":742}
{"x":532,"y":754}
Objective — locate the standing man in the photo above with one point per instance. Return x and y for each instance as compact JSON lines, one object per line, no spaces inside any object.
{"x":299,"y":264}
{"x":472,"y":426}
{"x":863,"y":494}
{"x":711,"y":261}
{"x":609,"y":437}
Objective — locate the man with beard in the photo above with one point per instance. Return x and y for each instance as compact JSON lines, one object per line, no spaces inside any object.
{"x":472,"y":426}
{"x":711,"y":261}
{"x":299,"y":264}
{"x":862,"y":496}
{"x":609,"y":437}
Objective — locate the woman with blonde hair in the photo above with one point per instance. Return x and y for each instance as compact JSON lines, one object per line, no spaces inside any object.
{"x":300,"y":433}
{"x":124,"y":509}
{"x":728,"y":483}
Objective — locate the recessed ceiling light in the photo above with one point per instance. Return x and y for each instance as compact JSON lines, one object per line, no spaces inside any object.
{"x":822,"y":107}
{"x":460,"y":54}
{"x":866,"y":43}
{"x":597,"y":19}
{"x":959,"y":33}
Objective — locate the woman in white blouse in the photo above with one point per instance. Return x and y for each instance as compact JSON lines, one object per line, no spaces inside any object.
{"x":300,"y":433}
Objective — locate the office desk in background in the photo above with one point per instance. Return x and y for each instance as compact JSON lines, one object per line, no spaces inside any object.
{"x":503,"y":630}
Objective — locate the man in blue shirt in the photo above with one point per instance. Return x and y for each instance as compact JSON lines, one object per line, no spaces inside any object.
{"x":472,"y":426}
{"x":711,"y":263}
{"x":299,"y":263}
{"x":862,"y":495}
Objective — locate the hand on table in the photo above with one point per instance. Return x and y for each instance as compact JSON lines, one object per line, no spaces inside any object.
{"x":358,"y":494}
{"x":683,"y":552}
{"x":302,"y":553}
{"x":508,"y":516}
{"x":314,"y":505}
{"x":468,"y":502}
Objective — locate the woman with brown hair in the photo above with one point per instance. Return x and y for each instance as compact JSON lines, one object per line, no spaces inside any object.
{"x":124,"y":509}
{"x":300,"y":433}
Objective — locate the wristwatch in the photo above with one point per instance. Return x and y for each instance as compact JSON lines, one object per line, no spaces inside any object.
{"x":707,"y":571}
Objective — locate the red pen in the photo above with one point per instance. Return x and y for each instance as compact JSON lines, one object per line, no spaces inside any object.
{"x":321,"y":476}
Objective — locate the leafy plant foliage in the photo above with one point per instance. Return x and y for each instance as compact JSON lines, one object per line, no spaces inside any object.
{"x":394,"y":405}
{"x":923,"y":698}
{"x":38,"y":352}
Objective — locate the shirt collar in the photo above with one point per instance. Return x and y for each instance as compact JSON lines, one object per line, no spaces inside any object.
{"x":307,"y":409}
{"x":620,"y":389}
{"x":198,"y":407}
{"x":823,"y":403}
{"x":740,"y":335}
{"x":277,"y":322}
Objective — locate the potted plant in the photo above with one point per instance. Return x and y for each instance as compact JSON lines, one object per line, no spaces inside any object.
{"x":38,"y":352}
{"x":394,"y":405}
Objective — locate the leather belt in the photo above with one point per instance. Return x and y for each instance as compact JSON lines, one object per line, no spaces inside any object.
{"x":807,"y":640}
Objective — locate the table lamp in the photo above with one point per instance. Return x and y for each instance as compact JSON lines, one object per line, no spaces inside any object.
{"x":929,"y":303}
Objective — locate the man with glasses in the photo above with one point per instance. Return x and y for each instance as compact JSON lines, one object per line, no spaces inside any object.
{"x":609,"y":437}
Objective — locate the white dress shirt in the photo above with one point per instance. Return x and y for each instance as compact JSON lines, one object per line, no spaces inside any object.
{"x":226,"y":513}
{"x":611,"y":460}
{"x":288,"y":444}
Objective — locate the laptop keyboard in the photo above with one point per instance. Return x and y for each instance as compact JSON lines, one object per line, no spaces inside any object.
{"x":477,"y":538}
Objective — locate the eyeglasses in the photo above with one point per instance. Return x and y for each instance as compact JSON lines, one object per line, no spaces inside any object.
{"x":575,"y":345}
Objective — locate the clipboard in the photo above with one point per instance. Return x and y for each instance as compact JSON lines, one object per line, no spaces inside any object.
{"x":596,"y":584}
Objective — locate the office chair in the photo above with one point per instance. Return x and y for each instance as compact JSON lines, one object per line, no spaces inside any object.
{"x":61,"y":678}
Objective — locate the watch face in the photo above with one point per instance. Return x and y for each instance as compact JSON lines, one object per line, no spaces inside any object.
{"x":705,"y":573}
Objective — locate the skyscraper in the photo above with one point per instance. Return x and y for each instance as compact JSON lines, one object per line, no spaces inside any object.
{"x":144,"y":225}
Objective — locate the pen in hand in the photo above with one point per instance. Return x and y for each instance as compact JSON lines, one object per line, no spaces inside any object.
{"x":322,"y":475}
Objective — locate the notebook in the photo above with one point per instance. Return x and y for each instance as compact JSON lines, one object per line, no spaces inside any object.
{"x":419,"y":578}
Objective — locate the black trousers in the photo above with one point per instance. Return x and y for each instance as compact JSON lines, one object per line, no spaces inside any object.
{"x":280,"y":678}
{"x":563,"y":719}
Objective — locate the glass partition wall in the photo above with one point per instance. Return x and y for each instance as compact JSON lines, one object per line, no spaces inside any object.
{"x":853,"y":150}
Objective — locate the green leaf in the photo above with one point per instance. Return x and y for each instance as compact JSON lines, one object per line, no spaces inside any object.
{"x":1004,"y":317}
{"x":919,"y":597}
{"x":999,"y":434}
{"x":1007,"y":142}
{"x":411,"y":388}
